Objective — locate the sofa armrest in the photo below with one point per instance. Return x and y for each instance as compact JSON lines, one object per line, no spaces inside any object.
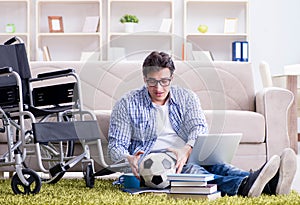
{"x":274,"y":103}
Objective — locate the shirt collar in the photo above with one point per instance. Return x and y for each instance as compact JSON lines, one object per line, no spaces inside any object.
{"x":147,"y":98}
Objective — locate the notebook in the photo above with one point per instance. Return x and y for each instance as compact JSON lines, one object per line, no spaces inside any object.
{"x":210,"y":149}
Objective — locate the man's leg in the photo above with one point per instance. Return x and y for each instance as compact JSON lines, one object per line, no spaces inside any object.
{"x":232,"y":181}
{"x":227,"y":184}
{"x":254,"y":184}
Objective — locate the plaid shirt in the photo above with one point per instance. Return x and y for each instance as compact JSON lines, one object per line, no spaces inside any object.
{"x":132,"y":124}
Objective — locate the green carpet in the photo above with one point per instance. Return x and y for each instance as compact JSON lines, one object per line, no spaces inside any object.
{"x":73,"y":191}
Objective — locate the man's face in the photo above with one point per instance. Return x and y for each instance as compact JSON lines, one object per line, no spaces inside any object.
{"x":158,"y":84}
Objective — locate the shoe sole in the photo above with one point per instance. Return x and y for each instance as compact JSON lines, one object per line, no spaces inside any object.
{"x":266,"y":174}
{"x":287,"y":171}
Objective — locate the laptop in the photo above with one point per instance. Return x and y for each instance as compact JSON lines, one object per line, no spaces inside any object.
{"x":210,"y":149}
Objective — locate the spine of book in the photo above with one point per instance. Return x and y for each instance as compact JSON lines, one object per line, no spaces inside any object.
{"x":191,"y":177}
{"x":187,"y":183}
{"x":208,"y":189}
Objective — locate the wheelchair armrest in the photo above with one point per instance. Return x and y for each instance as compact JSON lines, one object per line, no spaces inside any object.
{"x":56,"y":73}
{"x":5,"y":70}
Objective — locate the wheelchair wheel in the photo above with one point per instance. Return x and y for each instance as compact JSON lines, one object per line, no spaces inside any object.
{"x":34,"y":183}
{"x":89,"y":176}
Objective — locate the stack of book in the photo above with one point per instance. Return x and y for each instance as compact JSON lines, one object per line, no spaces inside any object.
{"x":194,"y":186}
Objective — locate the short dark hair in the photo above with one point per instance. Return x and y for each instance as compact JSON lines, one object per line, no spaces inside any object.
{"x":156,"y":61}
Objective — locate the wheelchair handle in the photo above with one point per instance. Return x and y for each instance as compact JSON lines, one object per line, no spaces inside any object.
{"x":56,"y":73}
{"x":5,"y":70}
{"x":12,"y":40}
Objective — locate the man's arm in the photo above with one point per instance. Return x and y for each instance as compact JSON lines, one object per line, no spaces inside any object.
{"x":194,"y":120}
{"x":119,"y":134}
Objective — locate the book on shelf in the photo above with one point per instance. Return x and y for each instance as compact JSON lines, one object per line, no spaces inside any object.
{"x":190,"y":177}
{"x":211,"y":196}
{"x":187,"y":183}
{"x":46,"y":53}
{"x":208,"y":189}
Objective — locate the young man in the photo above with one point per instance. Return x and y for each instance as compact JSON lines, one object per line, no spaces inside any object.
{"x":163,"y":116}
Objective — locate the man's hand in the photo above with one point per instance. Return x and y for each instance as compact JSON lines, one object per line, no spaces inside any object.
{"x":133,"y":162}
{"x":182,"y":155}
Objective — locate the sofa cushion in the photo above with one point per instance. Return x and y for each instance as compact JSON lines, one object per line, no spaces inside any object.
{"x":250,"y":124}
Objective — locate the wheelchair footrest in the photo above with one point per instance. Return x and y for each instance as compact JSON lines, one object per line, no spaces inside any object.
{"x":57,"y":169}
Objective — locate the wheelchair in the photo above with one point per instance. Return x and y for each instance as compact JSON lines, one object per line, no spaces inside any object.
{"x":44,"y":118}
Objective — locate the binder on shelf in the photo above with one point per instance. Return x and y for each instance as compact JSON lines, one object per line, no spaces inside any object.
{"x":240,"y":51}
{"x":245,"y":51}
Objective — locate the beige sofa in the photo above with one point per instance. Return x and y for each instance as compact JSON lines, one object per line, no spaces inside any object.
{"x":226,"y":92}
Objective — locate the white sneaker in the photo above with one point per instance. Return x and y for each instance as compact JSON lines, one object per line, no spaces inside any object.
{"x":261,"y":177}
{"x":287,"y":171}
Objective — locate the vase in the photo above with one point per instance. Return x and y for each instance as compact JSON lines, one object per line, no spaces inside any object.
{"x":129,"y":27}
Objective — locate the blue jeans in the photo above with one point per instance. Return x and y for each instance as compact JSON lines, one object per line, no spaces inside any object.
{"x":227,"y":177}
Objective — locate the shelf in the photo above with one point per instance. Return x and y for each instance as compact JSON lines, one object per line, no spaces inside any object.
{"x":146,"y":35}
{"x":154,"y":33}
{"x":213,"y":14}
{"x":70,"y":44}
{"x":218,"y":34}
{"x":218,"y":1}
{"x":16,"y":12}
{"x":68,"y":34}
{"x":141,"y":1}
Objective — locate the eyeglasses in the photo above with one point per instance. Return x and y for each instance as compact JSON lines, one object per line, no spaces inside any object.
{"x":163,"y":82}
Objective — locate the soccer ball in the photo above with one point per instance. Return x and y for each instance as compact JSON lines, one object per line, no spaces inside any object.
{"x":154,"y":169}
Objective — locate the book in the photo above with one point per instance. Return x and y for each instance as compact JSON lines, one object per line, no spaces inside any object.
{"x":212,"y":196}
{"x":191,"y":177}
{"x":142,"y":190}
{"x":188,"y":183}
{"x":208,"y":189}
{"x":46,"y":54}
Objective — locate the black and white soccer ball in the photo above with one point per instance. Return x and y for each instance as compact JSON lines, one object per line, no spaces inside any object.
{"x":154,"y":168}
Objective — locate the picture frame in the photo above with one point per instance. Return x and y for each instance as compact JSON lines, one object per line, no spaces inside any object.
{"x":91,"y":24}
{"x":165,"y":26}
{"x":55,"y":24}
{"x":203,"y":56}
{"x":230,"y":25}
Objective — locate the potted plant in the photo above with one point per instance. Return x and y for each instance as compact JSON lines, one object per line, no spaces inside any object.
{"x":129,"y":21}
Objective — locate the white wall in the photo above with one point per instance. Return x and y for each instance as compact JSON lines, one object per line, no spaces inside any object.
{"x":274,"y":34}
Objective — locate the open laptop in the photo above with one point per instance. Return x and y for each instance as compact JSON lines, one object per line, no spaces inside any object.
{"x":210,"y":149}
